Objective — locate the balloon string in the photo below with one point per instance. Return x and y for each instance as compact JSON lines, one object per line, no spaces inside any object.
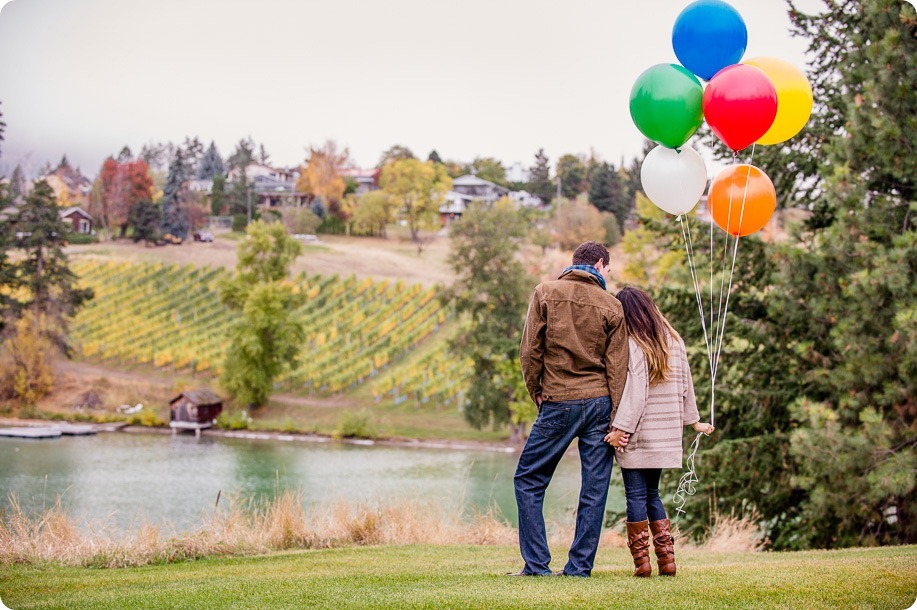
{"x":687,"y":486}
{"x":689,"y":251}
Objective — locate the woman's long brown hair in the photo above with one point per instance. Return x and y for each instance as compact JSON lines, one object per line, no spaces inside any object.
{"x":648,"y":327}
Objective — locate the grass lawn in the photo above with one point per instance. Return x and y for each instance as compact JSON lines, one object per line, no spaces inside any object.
{"x":470,"y":577}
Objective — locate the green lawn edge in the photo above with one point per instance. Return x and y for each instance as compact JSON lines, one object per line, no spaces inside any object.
{"x":422,"y":576}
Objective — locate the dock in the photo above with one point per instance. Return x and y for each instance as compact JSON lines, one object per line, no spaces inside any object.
{"x":52,"y":431}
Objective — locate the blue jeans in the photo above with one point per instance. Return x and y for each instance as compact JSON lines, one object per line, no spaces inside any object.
{"x":641,"y":489}
{"x":557,"y":425}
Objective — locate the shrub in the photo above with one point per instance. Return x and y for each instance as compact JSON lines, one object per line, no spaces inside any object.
{"x":356,"y":425}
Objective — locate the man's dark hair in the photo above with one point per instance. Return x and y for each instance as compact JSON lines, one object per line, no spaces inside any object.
{"x":589,"y":253}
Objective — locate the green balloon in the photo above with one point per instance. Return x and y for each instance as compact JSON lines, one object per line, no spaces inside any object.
{"x":666,"y":104}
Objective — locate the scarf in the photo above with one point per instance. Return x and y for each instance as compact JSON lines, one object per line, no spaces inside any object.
{"x":588,"y":269}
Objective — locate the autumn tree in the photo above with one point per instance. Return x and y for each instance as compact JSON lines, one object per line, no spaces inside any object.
{"x":268,"y":335}
{"x":492,"y":291}
{"x":321,"y":174}
{"x":576,"y":221}
{"x":418,"y":189}
{"x":123,"y":184}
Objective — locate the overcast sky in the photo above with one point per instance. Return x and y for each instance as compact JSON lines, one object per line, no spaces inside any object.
{"x":473,"y":78}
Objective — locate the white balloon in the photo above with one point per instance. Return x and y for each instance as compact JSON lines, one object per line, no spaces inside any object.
{"x":673,"y":180}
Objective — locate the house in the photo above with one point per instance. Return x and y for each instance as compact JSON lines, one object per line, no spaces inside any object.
{"x":524,"y":199}
{"x":194,"y":410}
{"x":478,"y":188}
{"x":70,"y":186}
{"x":77,"y":220}
{"x":516,"y":173}
{"x":366,"y":179}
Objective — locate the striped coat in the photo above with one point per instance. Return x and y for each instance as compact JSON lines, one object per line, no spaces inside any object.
{"x":656,"y":415}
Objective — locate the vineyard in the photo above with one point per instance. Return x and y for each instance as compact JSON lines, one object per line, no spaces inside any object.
{"x":171,"y":317}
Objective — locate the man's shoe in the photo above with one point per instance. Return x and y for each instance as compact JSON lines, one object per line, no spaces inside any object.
{"x":524,"y":573}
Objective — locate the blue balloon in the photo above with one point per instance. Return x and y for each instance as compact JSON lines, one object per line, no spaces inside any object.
{"x":708,"y":36}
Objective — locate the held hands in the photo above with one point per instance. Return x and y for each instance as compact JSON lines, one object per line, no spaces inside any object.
{"x":617,"y":439}
{"x":707,"y":429}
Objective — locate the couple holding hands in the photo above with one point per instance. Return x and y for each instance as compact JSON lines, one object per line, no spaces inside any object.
{"x":611,"y":372}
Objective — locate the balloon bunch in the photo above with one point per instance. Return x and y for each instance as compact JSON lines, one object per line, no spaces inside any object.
{"x":759,"y":101}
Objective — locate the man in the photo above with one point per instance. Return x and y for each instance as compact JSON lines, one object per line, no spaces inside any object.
{"x":574,"y":360}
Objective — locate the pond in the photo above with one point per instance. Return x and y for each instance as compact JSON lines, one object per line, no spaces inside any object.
{"x":126,"y":478}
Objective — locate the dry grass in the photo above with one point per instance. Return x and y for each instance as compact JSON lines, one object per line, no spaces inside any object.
{"x":284,"y":523}
{"x":242,"y":529}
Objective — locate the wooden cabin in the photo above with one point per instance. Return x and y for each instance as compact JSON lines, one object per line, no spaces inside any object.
{"x":194,"y":410}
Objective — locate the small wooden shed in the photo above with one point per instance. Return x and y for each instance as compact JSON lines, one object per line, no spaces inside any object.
{"x":194,"y":410}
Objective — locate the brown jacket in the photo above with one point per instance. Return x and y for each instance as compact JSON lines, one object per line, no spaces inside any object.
{"x":575,"y":341}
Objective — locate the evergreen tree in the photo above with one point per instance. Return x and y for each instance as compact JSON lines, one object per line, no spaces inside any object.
{"x":211,"y":164}
{"x":146,"y":218}
{"x":125,"y":156}
{"x":540,"y":183}
{"x":818,"y":378}
{"x":434,"y":157}
{"x":2,"y":127}
{"x":17,"y":183}
{"x":174,"y":215}
{"x":218,"y":195}
{"x":44,"y":271}
{"x":493,"y":290}
{"x":608,"y":192}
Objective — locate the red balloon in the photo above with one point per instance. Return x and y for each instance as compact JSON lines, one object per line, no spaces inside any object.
{"x":740,"y":104}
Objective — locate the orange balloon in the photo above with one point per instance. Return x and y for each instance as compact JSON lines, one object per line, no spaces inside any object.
{"x":742,"y":199}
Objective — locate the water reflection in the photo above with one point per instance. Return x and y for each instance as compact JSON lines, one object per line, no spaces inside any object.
{"x":125,"y":478}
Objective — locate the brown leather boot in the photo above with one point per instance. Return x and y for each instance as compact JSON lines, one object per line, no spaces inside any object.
{"x":638,"y":541}
{"x":664,"y":544}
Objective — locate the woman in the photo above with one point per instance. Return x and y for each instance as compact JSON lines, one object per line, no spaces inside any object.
{"x":658,"y":401}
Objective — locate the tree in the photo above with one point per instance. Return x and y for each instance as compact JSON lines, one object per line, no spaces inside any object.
{"x":2,"y":127}
{"x":492,"y":290}
{"x":418,"y":189}
{"x":818,"y":378}
{"x":268,"y":335}
{"x":608,"y":192}
{"x":576,"y":221}
{"x":321,"y":175}
{"x":299,"y":220}
{"x":43,"y":273}
{"x":192,"y":151}
{"x":487,"y":168}
{"x":218,"y":195}
{"x":125,"y":156}
{"x":848,"y":291}
{"x":263,"y":156}
{"x":174,"y":215}
{"x":540,"y":183}
{"x":211,"y":164}
{"x":572,"y":172}
{"x":395,"y":153}
{"x":17,"y":183}
{"x":146,"y":219}
{"x":123,"y":184}
{"x":434,"y":157}
{"x":374,"y":211}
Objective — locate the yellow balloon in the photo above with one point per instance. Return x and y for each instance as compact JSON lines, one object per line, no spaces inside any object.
{"x":794,"y":98}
